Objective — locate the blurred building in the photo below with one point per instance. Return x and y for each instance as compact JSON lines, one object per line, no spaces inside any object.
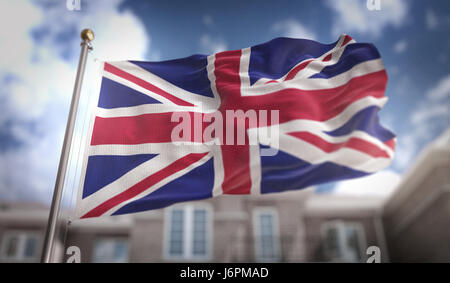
{"x":417,"y":216}
{"x":299,"y":226}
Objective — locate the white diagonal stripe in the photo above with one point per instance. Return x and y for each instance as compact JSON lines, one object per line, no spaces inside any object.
{"x":196,"y":99}
{"x":344,"y":156}
{"x":359,"y":70}
{"x":161,"y":183}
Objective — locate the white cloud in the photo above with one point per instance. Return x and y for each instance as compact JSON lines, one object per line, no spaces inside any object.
{"x":119,"y":35}
{"x":294,"y":29}
{"x":405,"y":150}
{"x":212,"y":45}
{"x":38,"y":61}
{"x":400,"y":46}
{"x":354,"y":16}
{"x":15,"y":30}
{"x":431,"y":114}
{"x":381,"y":184}
{"x":431,"y":20}
{"x":441,"y":91}
{"x":436,"y":105}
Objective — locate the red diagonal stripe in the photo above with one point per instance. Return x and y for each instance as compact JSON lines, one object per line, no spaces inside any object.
{"x":390,"y":143}
{"x":146,"y":183}
{"x":292,"y":73}
{"x":354,"y":143}
{"x":346,"y":40}
{"x":140,"y":82}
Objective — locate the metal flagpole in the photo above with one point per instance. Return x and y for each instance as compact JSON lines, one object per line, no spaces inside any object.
{"x":87,"y":36}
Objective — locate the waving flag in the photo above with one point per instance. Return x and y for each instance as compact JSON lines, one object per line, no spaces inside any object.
{"x":327,"y":96}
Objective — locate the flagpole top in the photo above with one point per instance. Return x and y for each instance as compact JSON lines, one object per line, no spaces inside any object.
{"x":87,"y":35}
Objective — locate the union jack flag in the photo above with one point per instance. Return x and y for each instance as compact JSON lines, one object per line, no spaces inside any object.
{"x":328,"y":97}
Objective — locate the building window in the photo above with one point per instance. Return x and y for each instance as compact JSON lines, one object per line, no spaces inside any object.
{"x":199,"y":233}
{"x":266,"y":234}
{"x":176,"y":232}
{"x":111,"y":250}
{"x":343,"y":241}
{"x":20,"y":246}
{"x":189,"y":232}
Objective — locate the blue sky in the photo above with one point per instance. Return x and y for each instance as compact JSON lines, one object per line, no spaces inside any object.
{"x":39,"y":51}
